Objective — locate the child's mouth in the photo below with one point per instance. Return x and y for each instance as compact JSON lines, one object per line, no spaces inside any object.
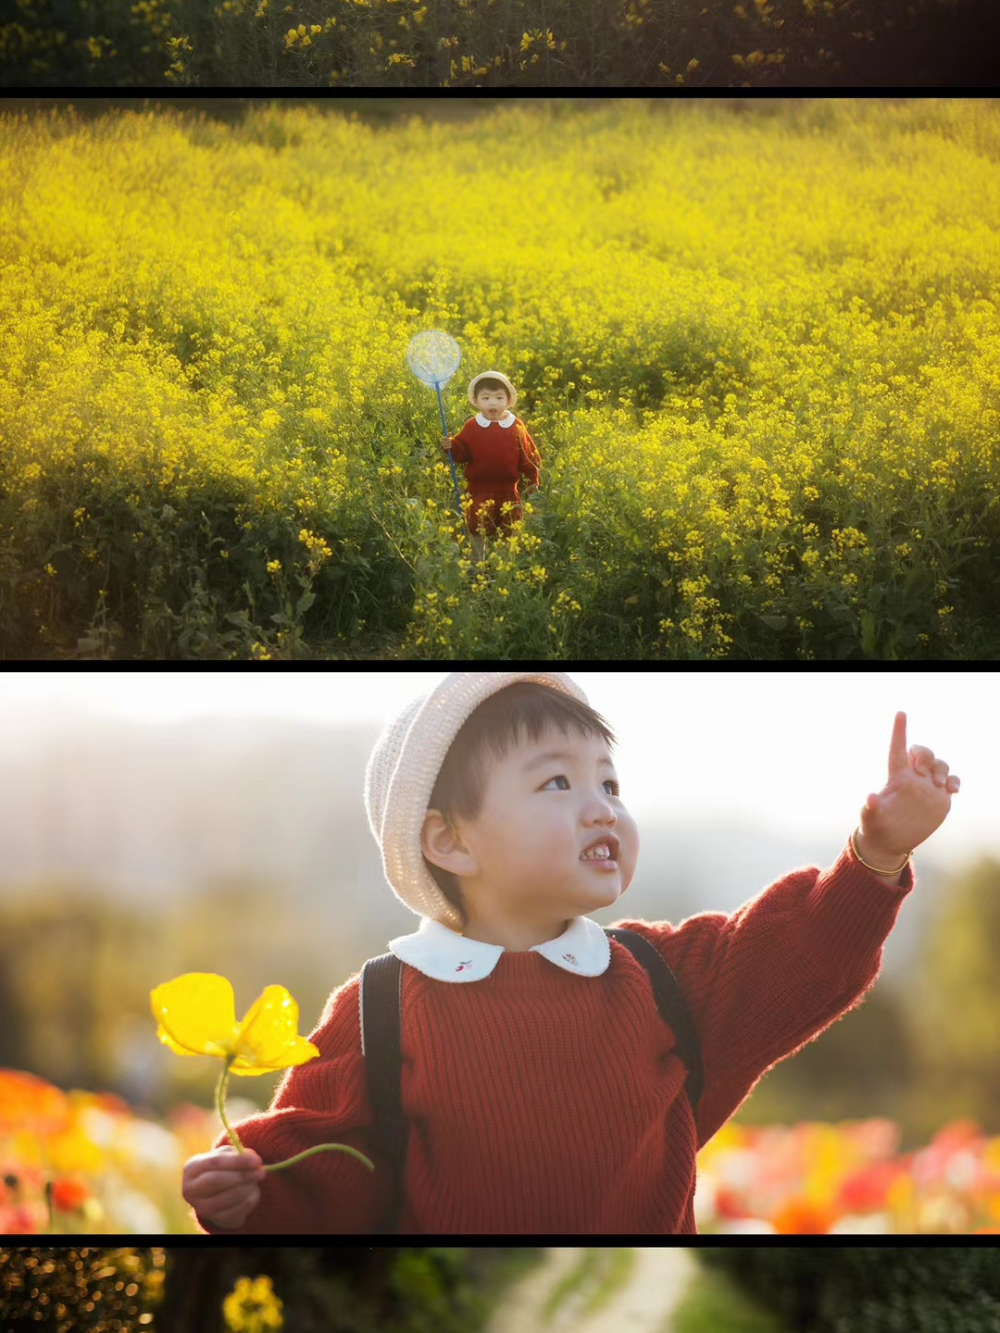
{"x":597,"y":857}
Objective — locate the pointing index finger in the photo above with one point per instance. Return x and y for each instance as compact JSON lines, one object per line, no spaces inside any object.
{"x":899,"y":758}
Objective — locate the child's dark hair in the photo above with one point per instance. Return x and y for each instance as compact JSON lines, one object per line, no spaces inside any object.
{"x":522,"y":711}
{"x":492,"y":384}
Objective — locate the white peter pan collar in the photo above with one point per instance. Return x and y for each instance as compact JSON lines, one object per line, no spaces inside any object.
{"x":443,"y":955}
{"x":485,"y":421}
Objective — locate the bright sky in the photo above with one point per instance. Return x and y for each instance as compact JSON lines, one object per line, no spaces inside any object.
{"x":797,"y":752}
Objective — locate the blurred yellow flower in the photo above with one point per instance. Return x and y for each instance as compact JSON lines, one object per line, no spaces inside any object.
{"x":253,"y":1307}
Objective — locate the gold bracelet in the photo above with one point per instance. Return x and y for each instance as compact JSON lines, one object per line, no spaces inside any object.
{"x":875,"y":871}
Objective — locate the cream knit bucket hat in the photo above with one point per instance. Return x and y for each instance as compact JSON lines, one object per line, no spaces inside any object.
{"x":404,"y":768}
{"x":493,"y":375}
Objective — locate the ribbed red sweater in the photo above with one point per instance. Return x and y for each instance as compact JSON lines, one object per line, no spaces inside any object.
{"x":495,"y":458}
{"x":543,"y":1103}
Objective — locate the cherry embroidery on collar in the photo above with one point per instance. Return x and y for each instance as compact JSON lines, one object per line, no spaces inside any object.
{"x":462,"y":966}
{"x":569,"y":958}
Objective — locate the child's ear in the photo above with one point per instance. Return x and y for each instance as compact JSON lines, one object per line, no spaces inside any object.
{"x":443,"y":847}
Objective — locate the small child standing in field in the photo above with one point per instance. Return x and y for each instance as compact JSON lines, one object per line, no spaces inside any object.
{"x":543,"y":1091}
{"x":497,"y":450}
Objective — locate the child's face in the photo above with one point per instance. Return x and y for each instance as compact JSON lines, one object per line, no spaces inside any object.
{"x":523,"y":857}
{"x":492,"y":403}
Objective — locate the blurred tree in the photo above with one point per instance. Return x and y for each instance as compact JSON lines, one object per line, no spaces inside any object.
{"x":76,"y":970}
{"x":923,"y":1052}
{"x":13,"y":1028}
{"x":861,"y":1067}
{"x":955,"y":1005}
{"x":72,"y":965}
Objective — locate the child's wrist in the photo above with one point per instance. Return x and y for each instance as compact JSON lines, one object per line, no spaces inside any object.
{"x":877,"y":859}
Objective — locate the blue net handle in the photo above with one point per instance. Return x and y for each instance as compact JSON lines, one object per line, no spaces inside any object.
{"x":434,"y":357}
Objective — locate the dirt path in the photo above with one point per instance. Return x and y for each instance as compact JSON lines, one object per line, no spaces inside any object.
{"x":644,"y":1305}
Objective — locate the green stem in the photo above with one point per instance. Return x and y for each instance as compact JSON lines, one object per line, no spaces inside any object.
{"x":323,"y":1147}
{"x":220,"y":1102}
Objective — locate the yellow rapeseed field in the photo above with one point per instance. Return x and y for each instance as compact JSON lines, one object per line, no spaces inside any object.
{"x":759,"y":353}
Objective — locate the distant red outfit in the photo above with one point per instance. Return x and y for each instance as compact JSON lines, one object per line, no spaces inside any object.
{"x":495,"y":456}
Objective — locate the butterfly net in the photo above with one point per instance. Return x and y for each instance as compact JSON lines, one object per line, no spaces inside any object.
{"x":433,"y":357}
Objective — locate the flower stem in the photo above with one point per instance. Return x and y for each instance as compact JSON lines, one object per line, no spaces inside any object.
{"x":220,"y":1102}
{"x":322,"y":1147}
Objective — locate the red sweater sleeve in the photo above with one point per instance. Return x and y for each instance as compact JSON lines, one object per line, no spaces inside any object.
{"x":530,"y":460}
{"x":766,"y":981}
{"x":460,"y":447}
{"x":324,"y":1101}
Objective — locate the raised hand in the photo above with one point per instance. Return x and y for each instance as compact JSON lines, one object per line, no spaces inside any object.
{"x":914,"y":803}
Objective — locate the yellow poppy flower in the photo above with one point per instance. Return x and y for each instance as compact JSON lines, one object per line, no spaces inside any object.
{"x":196,"y":1015}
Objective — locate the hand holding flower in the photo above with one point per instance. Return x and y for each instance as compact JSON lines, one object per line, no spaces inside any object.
{"x":196,"y":1015}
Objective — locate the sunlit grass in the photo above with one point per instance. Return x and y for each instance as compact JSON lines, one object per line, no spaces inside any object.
{"x":715,"y":1304}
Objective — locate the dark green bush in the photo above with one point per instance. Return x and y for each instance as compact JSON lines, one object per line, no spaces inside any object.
{"x":396,"y":1290}
{"x":890,"y":1290}
{"x":787,"y":1281}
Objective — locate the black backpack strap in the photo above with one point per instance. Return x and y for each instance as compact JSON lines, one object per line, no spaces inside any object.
{"x":672,"y":1006}
{"x":381,"y":1009}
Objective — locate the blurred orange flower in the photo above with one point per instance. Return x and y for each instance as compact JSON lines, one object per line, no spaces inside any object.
{"x":69,"y":1195}
{"x":30,"y":1104}
{"x":802,"y":1218}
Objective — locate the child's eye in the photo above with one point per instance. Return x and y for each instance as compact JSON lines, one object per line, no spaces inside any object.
{"x":611,"y":782}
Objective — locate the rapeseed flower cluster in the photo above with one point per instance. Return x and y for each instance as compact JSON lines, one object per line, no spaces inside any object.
{"x":373,"y":43}
{"x":760,"y":359}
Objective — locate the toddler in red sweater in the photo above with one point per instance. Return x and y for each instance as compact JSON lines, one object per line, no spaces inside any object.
{"x":542,"y":1089}
{"x":497,"y":451}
